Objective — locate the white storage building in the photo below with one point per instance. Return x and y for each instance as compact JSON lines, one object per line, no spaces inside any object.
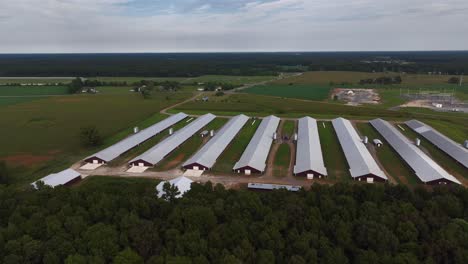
{"x":450,"y":147}
{"x":309,"y":159}
{"x":362,"y":165}
{"x":206,"y":157}
{"x":161,"y":150}
{"x":114,"y":151}
{"x":65,"y":177}
{"x":424,"y":167}
{"x":255,"y":155}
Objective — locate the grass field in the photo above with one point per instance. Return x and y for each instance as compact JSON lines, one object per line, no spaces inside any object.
{"x":282,"y":159}
{"x":309,"y":92}
{"x":333,"y":156}
{"x":389,"y":159}
{"x":32,"y":90}
{"x":189,"y":147}
{"x":234,"y":151}
{"x":289,"y":128}
{"x":7,"y":80}
{"x":437,"y":155}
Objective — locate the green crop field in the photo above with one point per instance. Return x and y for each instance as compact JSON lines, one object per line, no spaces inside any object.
{"x":45,"y":133}
{"x":189,"y":147}
{"x":333,"y":156}
{"x":32,"y":90}
{"x":282,"y":159}
{"x":389,"y":159}
{"x":309,"y":92}
{"x":234,"y":151}
{"x":445,"y":161}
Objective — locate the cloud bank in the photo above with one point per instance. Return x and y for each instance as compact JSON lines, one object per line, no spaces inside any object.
{"x":30,"y":26}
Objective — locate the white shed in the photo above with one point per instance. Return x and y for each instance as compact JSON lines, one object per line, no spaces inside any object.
{"x":182,"y":183}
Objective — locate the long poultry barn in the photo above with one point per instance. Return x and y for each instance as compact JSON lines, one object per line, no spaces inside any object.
{"x":53,"y":180}
{"x":160,"y":151}
{"x":361,"y":163}
{"x":255,"y":155}
{"x":450,"y":147}
{"x":309,"y":158}
{"x":206,"y":157}
{"x":425,"y":168}
{"x":116,"y":150}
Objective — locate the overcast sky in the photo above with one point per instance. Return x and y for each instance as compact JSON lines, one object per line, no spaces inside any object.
{"x":34,"y":26}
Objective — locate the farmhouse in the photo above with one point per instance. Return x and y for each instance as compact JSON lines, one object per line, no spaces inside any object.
{"x":65,"y":177}
{"x":206,"y":157}
{"x":424,"y":167}
{"x":134,"y":140}
{"x":161,"y":150}
{"x":450,"y":147}
{"x":362,"y":165}
{"x":309,"y":159}
{"x":255,"y":155}
{"x":182,"y":183}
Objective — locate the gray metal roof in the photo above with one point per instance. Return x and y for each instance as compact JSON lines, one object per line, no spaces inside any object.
{"x":256,"y":153}
{"x":452,"y":148}
{"x":134,"y":140}
{"x":423,"y":166}
{"x":161,"y":150}
{"x":268,"y":186}
{"x":359,"y":159}
{"x":61,"y":178}
{"x":210,"y":152}
{"x":309,"y":151}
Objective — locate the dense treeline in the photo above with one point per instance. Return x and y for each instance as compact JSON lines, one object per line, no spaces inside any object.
{"x":122,"y":221}
{"x":196,"y":64}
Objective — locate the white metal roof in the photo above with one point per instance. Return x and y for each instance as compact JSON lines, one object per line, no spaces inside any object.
{"x":423,"y":166}
{"x":210,"y":152}
{"x":132,"y":141}
{"x":452,"y":148}
{"x":256,"y":153}
{"x":61,"y":178}
{"x":359,"y":159}
{"x":309,"y":151}
{"x":161,"y":150}
{"x":182,"y":183}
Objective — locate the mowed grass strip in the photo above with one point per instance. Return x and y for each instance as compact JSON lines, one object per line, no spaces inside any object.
{"x":282,"y":160}
{"x":333,"y":155}
{"x":234,"y":151}
{"x":440,"y":157}
{"x":309,"y":92}
{"x":189,"y":147}
{"x":390,"y":160}
{"x":32,"y":90}
{"x":289,"y":128}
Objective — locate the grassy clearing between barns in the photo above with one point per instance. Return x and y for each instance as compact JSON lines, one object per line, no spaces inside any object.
{"x":282,"y":159}
{"x":333,"y":156}
{"x":309,"y":92}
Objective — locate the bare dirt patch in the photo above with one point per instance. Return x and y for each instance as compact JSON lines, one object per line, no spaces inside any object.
{"x":173,"y":163}
{"x":356,"y":96}
{"x":27,"y":160}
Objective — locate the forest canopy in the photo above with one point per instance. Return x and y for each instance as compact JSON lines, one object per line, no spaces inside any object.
{"x":116,"y":220}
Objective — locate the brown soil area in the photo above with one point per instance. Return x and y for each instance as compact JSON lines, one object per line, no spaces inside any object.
{"x":27,"y":160}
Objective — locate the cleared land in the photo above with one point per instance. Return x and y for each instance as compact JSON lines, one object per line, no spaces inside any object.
{"x":333,"y":156}
{"x":309,"y":92}
{"x":234,"y":151}
{"x":389,"y":159}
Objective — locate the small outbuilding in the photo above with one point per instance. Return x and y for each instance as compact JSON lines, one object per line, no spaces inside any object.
{"x":378,"y":142}
{"x":182,"y":183}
